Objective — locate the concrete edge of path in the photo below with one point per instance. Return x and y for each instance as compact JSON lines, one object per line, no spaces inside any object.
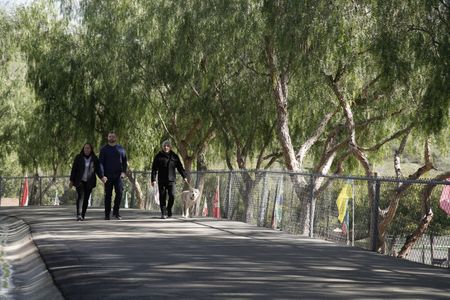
{"x":27,"y":276}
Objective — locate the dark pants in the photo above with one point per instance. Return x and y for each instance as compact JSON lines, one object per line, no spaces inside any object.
{"x":83,"y":191}
{"x":117,"y":184}
{"x":164,"y":189}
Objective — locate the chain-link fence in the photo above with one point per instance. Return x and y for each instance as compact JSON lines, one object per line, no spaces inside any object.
{"x":342,"y":209}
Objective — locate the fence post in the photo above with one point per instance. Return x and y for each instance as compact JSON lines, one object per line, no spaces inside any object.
{"x":312,"y":201}
{"x":40,"y":191}
{"x":353,"y":213}
{"x":431,"y":247}
{"x":1,"y":189}
{"x":423,"y":253}
{"x":263,"y":202}
{"x":448,"y":258}
{"x":132,"y":200}
{"x":229,"y":184}
{"x":374,"y":215}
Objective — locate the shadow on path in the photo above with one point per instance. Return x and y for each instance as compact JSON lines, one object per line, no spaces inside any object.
{"x":143,"y":257}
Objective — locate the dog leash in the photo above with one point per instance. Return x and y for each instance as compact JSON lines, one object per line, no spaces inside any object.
{"x":188,"y":184}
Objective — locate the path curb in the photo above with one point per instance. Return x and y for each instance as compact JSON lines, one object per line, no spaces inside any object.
{"x":28,"y":276}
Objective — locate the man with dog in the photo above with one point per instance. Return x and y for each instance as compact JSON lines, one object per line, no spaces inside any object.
{"x":164,"y":164}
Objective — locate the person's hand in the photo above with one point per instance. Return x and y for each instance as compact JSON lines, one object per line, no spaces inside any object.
{"x":104,"y":179}
{"x":123,"y":175}
{"x":153,"y":183}
{"x":70,"y":185}
{"x":186,"y":180}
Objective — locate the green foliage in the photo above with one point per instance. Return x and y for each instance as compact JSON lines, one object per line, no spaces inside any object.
{"x":15,"y":96}
{"x":156,"y":69}
{"x":413,"y":43}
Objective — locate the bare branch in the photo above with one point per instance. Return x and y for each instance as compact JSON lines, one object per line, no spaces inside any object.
{"x":165,"y":127}
{"x":328,"y":153}
{"x":429,"y":33}
{"x":301,"y":154}
{"x":249,"y":66}
{"x":210,"y":134}
{"x":350,"y":124}
{"x":388,"y":214}
{"x":266,"y":143}
{"x":272,"y":160}
{"x":196,"y":126}
{"x":398,"y":152}
{"x":381,"y":117}
{"x":388,"y":139}
{"x":195,"y":90}
{"x":365,"y":90}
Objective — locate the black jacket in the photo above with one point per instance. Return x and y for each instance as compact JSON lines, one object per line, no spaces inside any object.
{"x":164,"y":164}
{"x":78,"y":169}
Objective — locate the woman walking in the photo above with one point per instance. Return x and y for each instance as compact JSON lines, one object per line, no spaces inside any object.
{"x":82,"y":176}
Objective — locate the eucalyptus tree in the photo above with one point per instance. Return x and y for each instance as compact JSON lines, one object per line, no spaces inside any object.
{"x":181,"y":68}
{"x":15,"y":97}
{"x":365,"y":103}
{"x":107,"y":85}
{"x":421,"y":29}
{"x":186,"y":61}
{"x":241,"y":112}
{"x":125,"y":65}
{"x":6,"y":53}
{"x":107,"y":88}
{"x":296,"y":37}
{"x":48,"y":49}
{"x":195,"y":59}
{"x":393,"y":90}
{"x":245,"y":120}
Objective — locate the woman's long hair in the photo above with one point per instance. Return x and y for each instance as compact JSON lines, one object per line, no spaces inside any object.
{"x":92,"y":149}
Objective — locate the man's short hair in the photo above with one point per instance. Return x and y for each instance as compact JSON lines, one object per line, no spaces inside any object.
{"x":166,"y":143}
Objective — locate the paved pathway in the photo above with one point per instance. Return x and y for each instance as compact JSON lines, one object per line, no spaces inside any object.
{"x":144,"y":257}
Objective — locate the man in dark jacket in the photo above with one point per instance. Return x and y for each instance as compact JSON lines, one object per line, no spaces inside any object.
{"x":164,"y":164}
{"x":113,"y":164}
{"x":82,"y":176}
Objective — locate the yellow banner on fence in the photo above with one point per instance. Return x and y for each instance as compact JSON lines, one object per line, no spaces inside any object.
{"x":342,"y":200}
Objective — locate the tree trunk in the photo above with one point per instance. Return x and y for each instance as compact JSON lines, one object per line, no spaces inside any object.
{"x":140,"y":203}
{"x":387,"y":215}
{"x":37,"y":190}
{"x":199,"y":148}
{"x":426,"y":219}
{"x":417,"y":234}
{"x":200,"y":181}
{"x":250,"y":185}
{"x":48,"y":186}
{"x":280,"y":93}
{"x":34,"y":191}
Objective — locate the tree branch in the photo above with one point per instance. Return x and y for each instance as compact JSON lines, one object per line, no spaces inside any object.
{"x":398,"y":152}
{"x":306,"y":146}
{"x":266,"y":143}
{"x":350,"y":124}
{"x":388,"y":139}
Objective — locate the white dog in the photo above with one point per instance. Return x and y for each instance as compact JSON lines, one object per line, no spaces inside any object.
{"x":189,"y":199}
